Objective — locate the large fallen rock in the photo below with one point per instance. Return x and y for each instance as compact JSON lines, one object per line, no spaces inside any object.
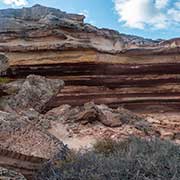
{"x":35,"y":92}
{"x":116,"y":117}
{"x":20,"y":130}
{"x":11,"y":122}
{"x":18,"y":134}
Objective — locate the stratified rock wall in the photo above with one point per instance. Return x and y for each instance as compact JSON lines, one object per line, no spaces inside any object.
{"x":98,"y":65}
{"x":40,"y":28}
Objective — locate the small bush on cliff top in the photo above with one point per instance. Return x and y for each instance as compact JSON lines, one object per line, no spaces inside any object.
{"x":133,"y":159}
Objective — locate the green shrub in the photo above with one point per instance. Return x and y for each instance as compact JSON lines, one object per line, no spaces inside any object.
{"x":135,"y":159}
{"x":109,"y":146}
{"x":4,"y":80}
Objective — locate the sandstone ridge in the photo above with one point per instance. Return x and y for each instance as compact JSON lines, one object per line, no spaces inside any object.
{"x":41,"y":28}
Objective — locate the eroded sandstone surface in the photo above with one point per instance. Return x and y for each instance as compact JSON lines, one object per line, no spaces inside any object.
{"x":41,"y":28}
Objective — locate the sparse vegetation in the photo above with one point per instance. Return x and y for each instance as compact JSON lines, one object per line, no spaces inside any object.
{"x":133,"y":159}
{"x":109,"y":146}
{"x":4,"y":80}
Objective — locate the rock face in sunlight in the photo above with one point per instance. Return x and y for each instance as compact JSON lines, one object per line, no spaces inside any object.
{"x":99,"y":65}
{"x":40,"y":29}
{"x":38,"y":25}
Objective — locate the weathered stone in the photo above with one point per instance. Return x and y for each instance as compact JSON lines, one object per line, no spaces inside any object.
{"x":118,"y":117}
{"x":167,"y":134}
{"x":11,"y":122}
{"x":91,"y":112}
{"x":31,"y":113}
{"x":39,"y":21}
{"x":12,"y":87}
{"x":18,"y":133}
{"x":35,"y":92}
{"x":40,"y":28}
{"x":4,"y":64}
{"x":177,"y":135}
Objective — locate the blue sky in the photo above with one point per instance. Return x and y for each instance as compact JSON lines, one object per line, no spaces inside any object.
{"x":148,"y":18}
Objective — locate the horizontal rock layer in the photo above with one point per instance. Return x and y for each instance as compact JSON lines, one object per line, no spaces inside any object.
{"x":139,"y":83}
{"x":26,"y":165}
{"x":41,"y":28}
{"x":98,"y":65}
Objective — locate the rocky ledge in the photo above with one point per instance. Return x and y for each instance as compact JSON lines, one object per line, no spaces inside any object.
{"x":41,"y":28}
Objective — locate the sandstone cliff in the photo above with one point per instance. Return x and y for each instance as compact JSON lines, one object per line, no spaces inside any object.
{"x":99,"y":65}
{"x":96,"y":64}
{"x":41,"y":28}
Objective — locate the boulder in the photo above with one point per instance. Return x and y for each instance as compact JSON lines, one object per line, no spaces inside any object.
{"x":116,"y":117}
{"x":35,"y":92}
{"x":11,"y":122}
{"x":19,"y":134}
{"x":112,"y":118}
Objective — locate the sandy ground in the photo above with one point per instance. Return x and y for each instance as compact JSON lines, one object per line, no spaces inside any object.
{"x":74,"y":141}
{"x":84,"y":136}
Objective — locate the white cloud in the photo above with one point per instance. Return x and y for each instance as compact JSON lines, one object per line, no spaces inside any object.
{"x":161,"y":3}
{"x":140,"y":13}
{"x":174,"y":14}
{"x":84,"y":12}
{"x":15,"y":2}
{"x":177,"y":5}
